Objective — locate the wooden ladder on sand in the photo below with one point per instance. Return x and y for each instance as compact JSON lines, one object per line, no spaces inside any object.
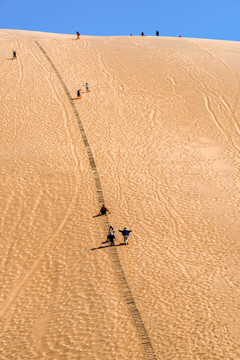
{"x":145,"y":340}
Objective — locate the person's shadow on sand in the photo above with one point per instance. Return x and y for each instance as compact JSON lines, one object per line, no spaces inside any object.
{"x":98,"y":215}
{"x":104,"y":247}
{"x":82,"y":92}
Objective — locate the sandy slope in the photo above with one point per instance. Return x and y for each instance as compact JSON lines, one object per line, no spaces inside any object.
{"x":162,"y":119}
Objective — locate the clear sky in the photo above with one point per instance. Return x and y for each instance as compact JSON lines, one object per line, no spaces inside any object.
{"x":212,"y":19}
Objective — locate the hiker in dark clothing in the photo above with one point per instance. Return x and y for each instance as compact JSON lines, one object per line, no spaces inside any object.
{"x":79,"y":94}
{"x":125,"y":234}
{"x":142,"y":33}
{"x":103,"y":210}
{"x":111,"y":235}
{"x":14,"y":54}
{"x":157,"y":33}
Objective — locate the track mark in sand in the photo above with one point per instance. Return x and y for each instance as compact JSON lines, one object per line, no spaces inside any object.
{"x":146,"y":343}
{"x":5,"y":211}
{"x":152,"y":115}
{"x":35,"y":265}
{"x":237,"y":75}
{"x":19,"y":66}
{"x":134,"y":41}
{"x":173,"y":81}
{"x":207,"y":105}
{"x":219,"y":60}
{"x":219,"y":126}
{"x":235,"y":120}
{"x":60,"y":102}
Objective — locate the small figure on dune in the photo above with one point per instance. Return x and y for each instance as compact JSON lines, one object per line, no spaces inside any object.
{"x":14,"y":54}
{"x":157,"y":33}
{"x":111,"y":235}
{"x":87,"y":87}
{"x":180,"y":35}
{"x":79,"y":94}
{"x":104,"y":210}
{"x":142,"y":33}
{"x":78,"y":36}
{"x":125,"y":234}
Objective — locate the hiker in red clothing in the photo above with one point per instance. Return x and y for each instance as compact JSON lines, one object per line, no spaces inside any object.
{"x":78,"y":36}
{"x":103,"y":210}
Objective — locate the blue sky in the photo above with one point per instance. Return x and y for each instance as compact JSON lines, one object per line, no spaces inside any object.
{"x":198,"y":19}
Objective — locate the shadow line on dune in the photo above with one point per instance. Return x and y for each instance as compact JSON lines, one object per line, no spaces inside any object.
{"x":104,"y":247}
{"x":126,"y":291}
{"x":82,"y":92}
{"x":94,"y":216}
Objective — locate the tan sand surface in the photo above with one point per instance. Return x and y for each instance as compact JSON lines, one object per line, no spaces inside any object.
{"x":163,"y":123}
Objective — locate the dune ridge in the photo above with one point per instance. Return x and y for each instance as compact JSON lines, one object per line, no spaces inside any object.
{"x":162,"y":123}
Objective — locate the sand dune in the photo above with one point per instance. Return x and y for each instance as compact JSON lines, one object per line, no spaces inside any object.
{"x":162,"y":120}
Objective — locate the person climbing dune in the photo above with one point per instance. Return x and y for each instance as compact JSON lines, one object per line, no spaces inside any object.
{"x":125,"y":234}
{"x":79,"y":94}
{"x":14,"y":54}
{"x":78,"y":36}
{"x":104,"y":210}
{"x":87,"y":87}
{"x":111,"y":235}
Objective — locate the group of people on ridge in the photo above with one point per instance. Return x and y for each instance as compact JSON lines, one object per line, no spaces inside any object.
{"x":157,"y":34}
{"x":111,"y":236}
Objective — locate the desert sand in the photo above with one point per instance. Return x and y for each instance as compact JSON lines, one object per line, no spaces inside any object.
{"x":162,"y":120}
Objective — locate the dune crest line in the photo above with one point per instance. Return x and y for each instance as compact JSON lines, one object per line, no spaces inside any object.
{"x":143,"y":335}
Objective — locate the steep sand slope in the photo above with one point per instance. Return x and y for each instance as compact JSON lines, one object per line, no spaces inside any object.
{"x":162,"y":119}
